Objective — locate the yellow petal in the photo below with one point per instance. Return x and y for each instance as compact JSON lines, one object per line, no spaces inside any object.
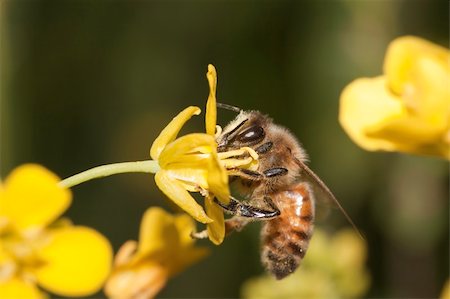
{"x":419,"y":71}
{"x":411,"y":135}
{"x":190,"y":176}
{"x":365,"y":103}
{"x":16,"y":288}
{"x":77,"y":261}
{"x":218,"y":180}
{"x":170,"y":132}
{"x":143,"y":281}
{"x":216,"y":229}
{"x":165,"y":240}
{"x":185,"y":226}
{"x":157,"y":232}
{"x":211,"y":109}
{"x":32,"y":197}
{"x":185,"y":147}
{"x":175,"y":191}
{"x":402,"y":55}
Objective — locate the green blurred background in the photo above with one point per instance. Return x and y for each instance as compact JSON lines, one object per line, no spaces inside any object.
{"x":85,"y":83}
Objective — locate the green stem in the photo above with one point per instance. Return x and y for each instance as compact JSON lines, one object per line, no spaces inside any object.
{"x":148,"y":166}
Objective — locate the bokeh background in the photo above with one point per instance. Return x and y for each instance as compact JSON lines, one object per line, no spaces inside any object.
{"x":85,"y":83}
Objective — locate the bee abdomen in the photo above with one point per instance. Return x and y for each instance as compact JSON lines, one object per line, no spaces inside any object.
{"x":282,"y":252}
{"x":285,"y":239}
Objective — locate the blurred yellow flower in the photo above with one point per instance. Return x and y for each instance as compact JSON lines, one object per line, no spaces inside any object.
{"x":407,"y":109}
{"x":333,"y":268}
{"x":165,"y":248}
{"x":445,"y":294}
{"x":37,"y":249}
{"x":191,"y":164}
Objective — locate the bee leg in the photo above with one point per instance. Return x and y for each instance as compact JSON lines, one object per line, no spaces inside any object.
{"x":276,"y":171}
{"x":238,"y":208}
{"x":247,"y":174}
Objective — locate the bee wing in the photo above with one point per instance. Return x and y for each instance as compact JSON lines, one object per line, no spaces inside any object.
{"x":322,"y":191}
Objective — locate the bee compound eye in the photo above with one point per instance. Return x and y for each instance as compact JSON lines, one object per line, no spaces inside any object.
{"x":253,"y":134}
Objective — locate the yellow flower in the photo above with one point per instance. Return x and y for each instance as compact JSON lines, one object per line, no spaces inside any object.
{"x":37,"y":249}
{"x":191,"y":164}
{"x":165,"y":248}
{"x":407,"y":109}
{"x":334,"y":267}
{"x":445,"y":294}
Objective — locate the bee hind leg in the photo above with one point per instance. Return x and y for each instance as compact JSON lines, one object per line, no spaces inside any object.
{"x":238,"y":222}
{"x":238,"y":208}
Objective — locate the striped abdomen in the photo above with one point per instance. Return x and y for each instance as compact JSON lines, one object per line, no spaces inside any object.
{"x":285,"y":239}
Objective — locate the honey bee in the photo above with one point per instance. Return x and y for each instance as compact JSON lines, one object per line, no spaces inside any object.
{"x":281,"y":192}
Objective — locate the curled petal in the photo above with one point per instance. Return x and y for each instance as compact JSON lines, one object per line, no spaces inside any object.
{"x":216,"y":229}
{"x":175,"y":191}
{"x":32,"y":197}
{"x":76,"y":262}
{"x":211,"y":109}
{"x":170,"y":132}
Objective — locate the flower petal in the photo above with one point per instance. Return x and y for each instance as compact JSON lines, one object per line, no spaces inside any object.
{"x":218,"y":180}
{"x":77,"y":261}
{"x":195,"y":178}
{"x":16,"y":288}
{"x":175,"y":191}
{"x":364,"y":103}
{"x":165,"y":240}
{"x":170,"y":132}
{"x":211,"y":109}
{"x":185,"y":226}
{"x":157,"y":232}
{"x":402,"y":55}
{"x":184,"y":147}
{"x":419,"y":71}
{"x":411,"y":135}
{"x":143,"y":281}
{"x":216,"y":229}
{"x":32,"y":197}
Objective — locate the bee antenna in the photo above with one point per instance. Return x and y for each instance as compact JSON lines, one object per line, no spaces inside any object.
{"x":229,"y":107}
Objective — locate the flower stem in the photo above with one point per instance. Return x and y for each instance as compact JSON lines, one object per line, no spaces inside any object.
{"x":147,"y":166}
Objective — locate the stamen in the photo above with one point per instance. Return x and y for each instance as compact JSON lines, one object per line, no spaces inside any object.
{"x":239,"y":152}
{"x":218,"y":131}
{"x":235,"y":163}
